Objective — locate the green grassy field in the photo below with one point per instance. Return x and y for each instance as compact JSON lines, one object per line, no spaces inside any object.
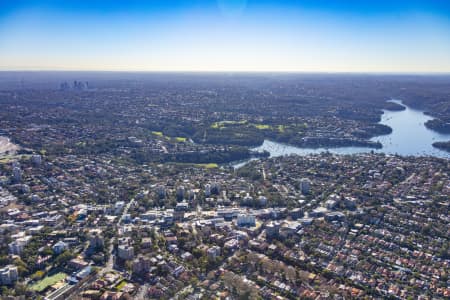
{"x":222,"y":124}
{"x":48,"y":281}
{"x":121,"y":285}
{"x":177,"y":139}
{"x":5,"y":160}
{"x":262,"y":126}
{"x":208,"y":166}
{"x":158,"y":133}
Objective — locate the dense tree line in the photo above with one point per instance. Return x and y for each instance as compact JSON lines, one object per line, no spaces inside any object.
{"x":442,"y":145}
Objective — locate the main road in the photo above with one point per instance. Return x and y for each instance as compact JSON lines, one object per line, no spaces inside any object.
{"x":110,"y":264}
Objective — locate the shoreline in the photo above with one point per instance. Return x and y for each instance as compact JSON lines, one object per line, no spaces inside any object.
{"x":355,"y":149}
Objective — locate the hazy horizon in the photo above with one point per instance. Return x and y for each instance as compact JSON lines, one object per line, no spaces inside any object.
{"x":405,"y":37}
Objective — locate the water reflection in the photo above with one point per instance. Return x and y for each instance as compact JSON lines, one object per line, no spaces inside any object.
{"x":409,"y":137}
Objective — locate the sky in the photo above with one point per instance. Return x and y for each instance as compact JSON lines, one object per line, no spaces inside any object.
{"x":226,"y":35}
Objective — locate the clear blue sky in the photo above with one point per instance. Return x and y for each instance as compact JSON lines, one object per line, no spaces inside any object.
{"x":226,"y":35}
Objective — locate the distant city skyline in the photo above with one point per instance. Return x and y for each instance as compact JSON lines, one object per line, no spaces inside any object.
{"x":226,"y":35}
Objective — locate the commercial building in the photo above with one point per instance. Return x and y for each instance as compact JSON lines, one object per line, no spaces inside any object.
{"x":8,"y":275}
{"x":125,"y":252}
{"x":246,"y":220}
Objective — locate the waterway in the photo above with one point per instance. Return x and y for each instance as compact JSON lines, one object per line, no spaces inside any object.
{"x":409,"y":137}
